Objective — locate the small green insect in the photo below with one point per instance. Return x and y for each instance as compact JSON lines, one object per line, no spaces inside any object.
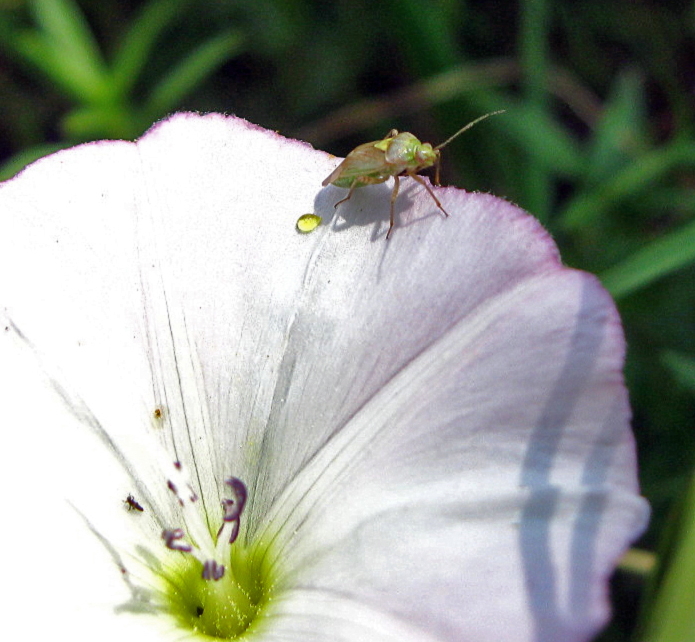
{"x":399,"y":154}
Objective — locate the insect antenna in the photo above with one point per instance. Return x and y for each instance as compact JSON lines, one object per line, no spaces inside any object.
{"x":463,"y":129}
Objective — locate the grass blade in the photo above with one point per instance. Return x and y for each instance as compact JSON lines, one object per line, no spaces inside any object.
{"x":667,"y":254}
{"x":190,"y":72}
{"x":636,"y":177}
{"x":75,"y":56}
{"x":135,"y":48}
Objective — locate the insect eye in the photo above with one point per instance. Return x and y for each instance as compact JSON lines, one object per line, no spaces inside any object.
{"x":426,"y":154}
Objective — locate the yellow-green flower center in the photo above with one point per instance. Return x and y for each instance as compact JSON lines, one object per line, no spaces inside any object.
{"x":214,"y":585}
{"x":224,"y":609}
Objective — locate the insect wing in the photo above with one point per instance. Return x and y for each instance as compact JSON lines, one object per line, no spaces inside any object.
{"x":365,"y":164}
{"x":333,"y":176}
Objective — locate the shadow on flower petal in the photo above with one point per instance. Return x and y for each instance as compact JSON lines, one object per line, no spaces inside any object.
{"x":583,"y":549}
{"x":589,"y":344}
{"x":534,"y":540}
{"x":142,"y":600}
{"x":368,"y":206}
{"x":602,"y":455}
{"x":569,"y":387}
{"x":587,"y":526}
{"x":371,"y":206}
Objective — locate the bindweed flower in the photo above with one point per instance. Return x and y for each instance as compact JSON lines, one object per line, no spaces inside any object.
{"x":218,"y":427}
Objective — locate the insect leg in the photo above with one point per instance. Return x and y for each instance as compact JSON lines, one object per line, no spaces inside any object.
{"x":420,"y":180}
{"x":394,"y":195}
{"x":355,"y":183}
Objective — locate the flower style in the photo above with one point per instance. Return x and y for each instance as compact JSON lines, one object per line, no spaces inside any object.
{"x":217,"y":427}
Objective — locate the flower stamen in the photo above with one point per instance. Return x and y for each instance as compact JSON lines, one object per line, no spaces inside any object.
{"x":212,"y":570}
{"x":171,"y":538}
{"x":211,"y":554}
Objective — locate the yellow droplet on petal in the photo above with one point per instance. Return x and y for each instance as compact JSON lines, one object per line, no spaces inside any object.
{"x":308,"y":223}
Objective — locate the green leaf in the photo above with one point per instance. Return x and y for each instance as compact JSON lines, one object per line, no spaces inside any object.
{"x":33,"y":48}
{"x":533,"y":55}
{"x":671,"y":617}
{"x":636,"y":177}
{"x":190,"y":72}
{"x":672,"y":199}
{"x":92,"y":122}
{"x":536,"y":132}
{"x":671,"y":252}
{"x":618,"y":135}
{"x":135,"y":48}
{"x":428,"y":35}
{"x":76,"y":60}
{"x":682,"y":367}
{"x":545,"y":140}
{"x":533,"y":50}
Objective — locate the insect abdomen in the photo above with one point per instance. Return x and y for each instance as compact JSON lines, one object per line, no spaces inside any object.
{"x":369,"y":178}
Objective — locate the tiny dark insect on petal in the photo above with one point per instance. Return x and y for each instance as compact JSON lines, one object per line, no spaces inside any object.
{"x":132,"y":504}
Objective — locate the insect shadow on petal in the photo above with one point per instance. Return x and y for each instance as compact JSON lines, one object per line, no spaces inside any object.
{"x":399,"y":154}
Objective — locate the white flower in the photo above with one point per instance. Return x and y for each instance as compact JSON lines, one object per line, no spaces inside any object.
{"x":433,"y":431}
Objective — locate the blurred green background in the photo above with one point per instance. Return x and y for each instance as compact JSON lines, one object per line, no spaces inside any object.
{"x":597,"y":143}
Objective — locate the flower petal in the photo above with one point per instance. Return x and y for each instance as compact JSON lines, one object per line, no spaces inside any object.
{"x":483,"y":469}
{"x":424,"y":425}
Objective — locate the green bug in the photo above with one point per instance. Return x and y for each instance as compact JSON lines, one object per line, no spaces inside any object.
{"x":399,"y":154}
